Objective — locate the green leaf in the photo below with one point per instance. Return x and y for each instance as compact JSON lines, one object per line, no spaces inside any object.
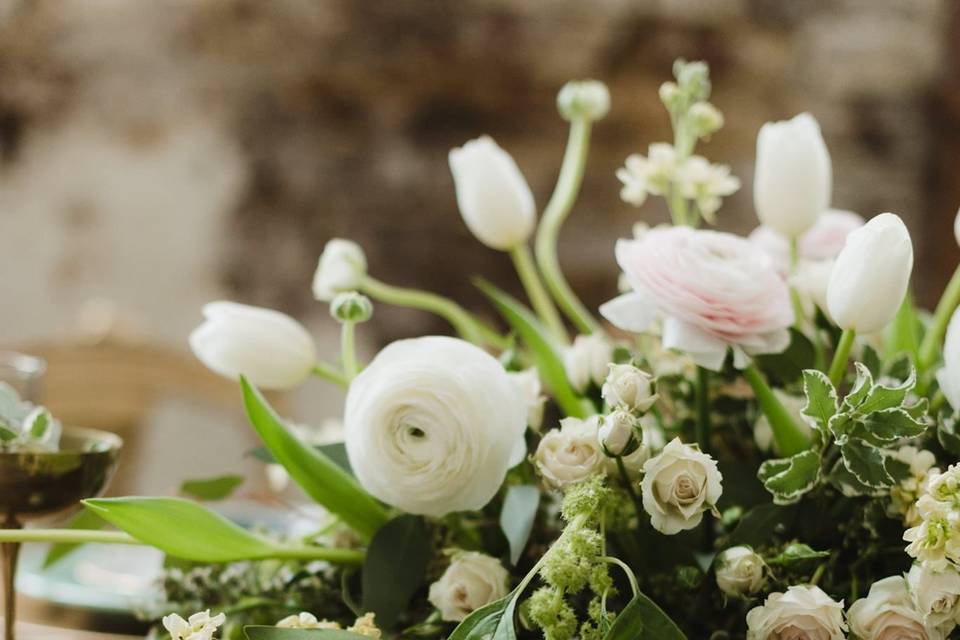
{"x":903,"y":334}
{"x":861,"y":387}
{"x":276,"y":633}
{"x":848,"y":484}
{"x":866,"y":463}
{"x":336,"y":451}
{"x":517,"y":516}
{"x":642,"y":619}
{"x":821,"y":398}
{"x":395,"y":567}
{"x":871,"y":360}
{"x":789,"y":478}
{"x":546,"y":354}
{"x":886,"y":426}
{"x":759,"y":524}
{"x":841,"y":425}
{"x":947,"y":433}
{"x":786,"y":367}
{"x":6,"y":434}
{"x":316,"y":474}
{"x":183,"y":529}
{"x":898,"y":469}
{"x":491,"y":622}
{"x":84,"y":520}
{"x":880,"y":397}
{"x":796,"y":553}
{"x":211,"y":489}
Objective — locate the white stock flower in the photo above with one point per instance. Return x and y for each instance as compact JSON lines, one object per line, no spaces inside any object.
{"x":305,"y":620}
{"x":629,"y":387}
{"x":493,"y":196}
{"x":936,"y":595}
{"x":706,"y":184}
{"x":793,"y":176}
{"x":270,"y":348}
{"x":471,"y":581}
{"x":740,"y":571}
{"x":871,"y":275}
{"x":887,"y":613}
{"x":588,"y":360}
{"x":571,"y":453}
{"x":648,"y":175}
{"x":341,"y":267}
{"x":616,"y":431}
{"x":948,"y":376}
{"x":433,"y":424}
{"x":678,"y":485}
{"x":936,"y":540}
{"x":800,"y":613}
{"x":200,"y":626}
{"x":904,"y":495}
{"x":528,"y":381}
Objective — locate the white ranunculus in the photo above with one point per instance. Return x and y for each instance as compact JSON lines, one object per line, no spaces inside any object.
{"x":471,"y":581}
{"x":678,"y":485}
{"x":571,"y":453}
{"x":793,"y":177}
{"x":887,"y":613}
{"x":628,"y":387}
{"x":616,"y":431}
{"x":871,"y":274}
{"x":936,"y":595}
{"x":589,"y":99}
{"x":494,"y":198}
{"x":949,"y":375}
{"x":800,"y":613}
{"x":823,"y":241}
{"x":433,"y":424}
{"x":200,"y":626}
{"x":588,"y":360}
{"x":740,"y":571}
{"x":341,"y":267}
{"x":528,"y":381}
{"x":270,"y":348}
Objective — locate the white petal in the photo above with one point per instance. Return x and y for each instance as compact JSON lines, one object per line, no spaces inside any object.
{"x":633,"y":312}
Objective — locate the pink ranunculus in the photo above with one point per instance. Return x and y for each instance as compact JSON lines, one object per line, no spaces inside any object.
{"x":822,"y":241}
{"x":714,"y":291}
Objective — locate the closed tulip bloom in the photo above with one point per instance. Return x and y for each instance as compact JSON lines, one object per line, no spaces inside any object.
{"x":793,"y":177}
{"x":949,"y":375}
{"x":870,"y":277}
{"x":494,"y":198}
{"x":270,"y":348}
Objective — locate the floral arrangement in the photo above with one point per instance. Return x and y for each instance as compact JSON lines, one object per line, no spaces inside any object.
{"x":25,"y":426}
{"x":755,"y":439}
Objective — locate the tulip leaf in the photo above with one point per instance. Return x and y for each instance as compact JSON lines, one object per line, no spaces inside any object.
{"x":275,"y":633}
{"x":319,"y":476}
{"x":789,"y":478}
{"x":336,"y":451}
{"x":395,"y":567}
{"x":218,"y":488}
{"x":904,"y":333}
{"x":642,"y":619}
{"x":546,"y":354}
{"x":517,"y":516}
{"x":85,"y":519}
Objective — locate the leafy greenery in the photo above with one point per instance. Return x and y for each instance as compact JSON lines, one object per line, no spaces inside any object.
{"x":211,"y":489}
{"x":517,"y":516}
{"x":395,"y":567}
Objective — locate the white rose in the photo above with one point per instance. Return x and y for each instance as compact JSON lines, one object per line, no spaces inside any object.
{"x":740,"y":571}
{"x":629,"y":387}
{"x":529,"y":383}
{"x":471,"y":581}
{"x":432,"y":425}
{"x":341,"y":267}
{"x":948,"y":376}
{"x":887,"y":613}
{"x":270,"y":348}
{"x":793,"y":176}
{"x":936,"y":595}
{"x":587,"y":360}
{"x":616,"y":431}
{"x":678,"y":486}
{"x":801,"y":613}
{"x":571,"y":453}
{"x":494,"y":198}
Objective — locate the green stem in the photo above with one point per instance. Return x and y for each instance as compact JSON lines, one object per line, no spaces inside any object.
{"x":542,"y":304}
{"x":348,"y":349}
{"x":634,"y":587}
{"x":637,"y":504}
{"x":328,"y":372}
{"x":462,"y":321}
{"x":840,"y":356}
{"x":556,"y":211}
{"x":703,"y":409}
{"x":938,"y":401}
{"x":788,"y":435}
{"x":930,"y":346}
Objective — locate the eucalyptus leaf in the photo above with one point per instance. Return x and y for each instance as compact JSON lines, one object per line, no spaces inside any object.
{"x":517,"y":516}
{"x":642,"y":619}
{"x":866,"y":463}
{"x":211,"y":489}
{"x":320,"y":477}
{"x":276,"y":633}
{"x":395,"y":567}
{"x":822,"y":402}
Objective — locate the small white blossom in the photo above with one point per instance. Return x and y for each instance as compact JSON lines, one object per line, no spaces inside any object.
{"x":588,"y":99}
{"x":936,"y":540}
{"x":904,"y":496}
{"x":200,"y":626}
{"x":706,"y":184}
{"x":628,"y":387}
{"x":651,"y":174}
{"x":740,"y":571}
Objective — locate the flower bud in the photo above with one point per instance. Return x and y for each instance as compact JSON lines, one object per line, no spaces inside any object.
{"x":740,"y":572}
{"x":670,"y":95}
{"x":617,"y":433}
{"x":351,"y":307}
{"x":587,"y":360}
{"x":493,"y":196}
{"x":948,"y":377}
{"x":272,"y":349}
{"x":628,"y":387}
{"x":341,"y":267}
{"x":706,"y":118}
{"x":588,"y":99}
{"x":870,"y":277}
{"x":693,"y":78}
{"x":793,"y":175}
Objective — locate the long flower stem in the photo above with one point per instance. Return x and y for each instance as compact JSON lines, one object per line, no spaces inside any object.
{"x":462,"y":321}
{"x":539,"y":298}
{"x":328,"y":372}
{"x":557,"y":210}
{"x":840,"y":356}
{"x":789,"y":437}
{"x":930,"y":346}
{"x":637,"y":504}
{"x":703,"y":409}
{"x":348,"y":349}
{"x":631,"y":577}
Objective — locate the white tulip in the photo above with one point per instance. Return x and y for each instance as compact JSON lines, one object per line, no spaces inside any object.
{"x":616,"y":431}
{"x":870,"y":277}
{"x":494,"y":198}
{"x":793,"y":176}
{"x":887,"y":613}
{"x":471,"y":581}
{"x":341,"y":267}
{"x":936,"y":595}
{"x":432,"y":425}
{"x":956,"y":227}
{"x":588,"y":360}
{"x":740,"y":571}
{"x":629,"y":387}
{"x":949,"y":375}
{"x":270,"y":348}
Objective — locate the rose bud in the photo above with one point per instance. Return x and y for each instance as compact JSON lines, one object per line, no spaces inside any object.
{"x":617,"y":433}
{"x":740,"y":572}
{"x":629,"y":387}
